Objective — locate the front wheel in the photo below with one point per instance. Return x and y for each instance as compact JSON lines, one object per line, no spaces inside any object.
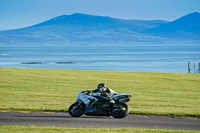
{"x":76,"y":110}
{"x":120,"y":110}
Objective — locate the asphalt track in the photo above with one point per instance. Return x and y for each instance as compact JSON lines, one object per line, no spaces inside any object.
{"x":64,"y":120}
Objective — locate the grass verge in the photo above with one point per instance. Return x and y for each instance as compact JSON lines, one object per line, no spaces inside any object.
{"x":33,"y":129}
{"x":168,"y":94}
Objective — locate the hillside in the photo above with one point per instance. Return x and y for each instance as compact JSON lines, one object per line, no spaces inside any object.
{"x":83,"y":28}
{"x":170,"y":94}
{"x":185,"y":28}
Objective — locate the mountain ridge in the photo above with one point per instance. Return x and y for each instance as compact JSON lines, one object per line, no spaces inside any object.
{"x":186,"y":27}
{"x":84,"y":28}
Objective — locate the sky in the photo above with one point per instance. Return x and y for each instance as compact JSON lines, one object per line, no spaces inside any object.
{"x":23,"y":13}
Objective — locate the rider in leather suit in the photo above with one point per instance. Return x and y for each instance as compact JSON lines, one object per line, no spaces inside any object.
{"x":105,"y":92}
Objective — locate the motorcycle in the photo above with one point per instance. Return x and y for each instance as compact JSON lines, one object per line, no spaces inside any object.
{"x":116,"y":105}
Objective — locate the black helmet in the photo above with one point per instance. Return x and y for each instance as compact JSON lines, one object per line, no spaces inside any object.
{"x":101,"y":85}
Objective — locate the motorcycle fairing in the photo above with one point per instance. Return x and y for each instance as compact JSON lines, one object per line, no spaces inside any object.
{"x":86,"y":99}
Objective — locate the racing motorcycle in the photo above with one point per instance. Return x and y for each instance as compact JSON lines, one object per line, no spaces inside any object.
{"x":116,"y":105}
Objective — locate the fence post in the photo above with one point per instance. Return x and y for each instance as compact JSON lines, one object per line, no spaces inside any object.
{"x":188,"y":67}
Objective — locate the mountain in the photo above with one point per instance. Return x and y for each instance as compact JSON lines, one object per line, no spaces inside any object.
{"x":184,"y":28}
{"x":83,"y":28}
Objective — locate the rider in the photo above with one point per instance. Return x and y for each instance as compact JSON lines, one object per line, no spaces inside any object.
{"x":105,"y":92}
{"x":101,"y":88}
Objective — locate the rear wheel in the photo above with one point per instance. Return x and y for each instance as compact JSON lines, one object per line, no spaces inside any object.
{"x":76,"y":110}
{"x":120,"y":110}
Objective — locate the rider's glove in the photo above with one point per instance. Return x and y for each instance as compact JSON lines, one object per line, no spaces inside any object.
{"x":108,"y":98}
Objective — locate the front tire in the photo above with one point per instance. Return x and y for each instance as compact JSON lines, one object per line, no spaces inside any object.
{"x":120,"y":110}
{"x":76,"y":110}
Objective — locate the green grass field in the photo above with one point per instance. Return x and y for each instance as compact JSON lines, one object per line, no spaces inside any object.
{"x":169,"y":94}
{"x":33,"y":129}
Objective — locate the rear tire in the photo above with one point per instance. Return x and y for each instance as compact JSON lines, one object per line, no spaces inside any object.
{"x":76,"y":110}
{"x":120,"y":110}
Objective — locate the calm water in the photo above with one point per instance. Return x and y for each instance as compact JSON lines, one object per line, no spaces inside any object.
{"x":135,"y":58}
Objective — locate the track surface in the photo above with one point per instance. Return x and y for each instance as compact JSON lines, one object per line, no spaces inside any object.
{"x":64,"y":120}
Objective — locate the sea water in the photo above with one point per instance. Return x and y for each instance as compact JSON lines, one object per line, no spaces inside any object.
{"x":130,"y":58}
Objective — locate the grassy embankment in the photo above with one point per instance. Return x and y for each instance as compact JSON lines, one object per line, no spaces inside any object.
{"x":33,"y":129}
{"x":169,"y":94}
